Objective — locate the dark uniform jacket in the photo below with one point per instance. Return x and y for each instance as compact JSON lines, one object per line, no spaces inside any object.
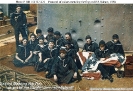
{"x":50,"y":53}
{"x":18,"y":19}
{"x":74,"y":44}
{"x":102,"y":54}
{"x":50,"y":37}
{"x":91,"y":47}
{"x":40,"y":49}
{"x":59,"y":42}
{"x":115,"y":47}
{"x":64,"y":69}
{"x":63,"y":66}
{"x":23,"y":52}
{"x":71,"y":53}
{"x":32,"y":44}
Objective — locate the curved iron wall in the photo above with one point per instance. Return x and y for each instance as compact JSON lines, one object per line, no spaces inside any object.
{"x":100,"y":21}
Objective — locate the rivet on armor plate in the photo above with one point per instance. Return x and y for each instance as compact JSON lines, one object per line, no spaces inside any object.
{"x":95,"y":31}
{"x":122,"y":33}
{"x":39,"y":11}
{"x":96,"y":10}
{"x":130,"y":12}
{"x":123,"y":26}
{"x":101,"y":32}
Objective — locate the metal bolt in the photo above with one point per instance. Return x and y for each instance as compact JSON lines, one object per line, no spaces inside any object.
{"x":96,"y":10}
{"x":130,"y":12}
{"x":95,"y":31}
{"x":39,"y":11}
{"x":101,"y":32}
{"x":123,"y":26}
{"x":122,"y":33}
{"x":123,"y":12}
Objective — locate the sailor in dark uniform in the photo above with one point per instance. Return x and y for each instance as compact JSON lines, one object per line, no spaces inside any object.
{"x":72,"y":53}
{"x":23,"y":54}
{"x":38,"y":55}
{"x":50,"y":53}
{"x":32,"y":42}
{"x":19,"y":22}
{"x":90,"y":46}
{"x":50,"y":35}
{"x":58,"y":39}
{"x":65,"y":69}
{"x":73,"y":42}
{"x":115,"y":46}
{"x":102,"y":54}
{"x":39,"y":34}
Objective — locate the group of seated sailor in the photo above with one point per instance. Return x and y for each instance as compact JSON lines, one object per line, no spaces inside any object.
{"x":57,"y":55}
